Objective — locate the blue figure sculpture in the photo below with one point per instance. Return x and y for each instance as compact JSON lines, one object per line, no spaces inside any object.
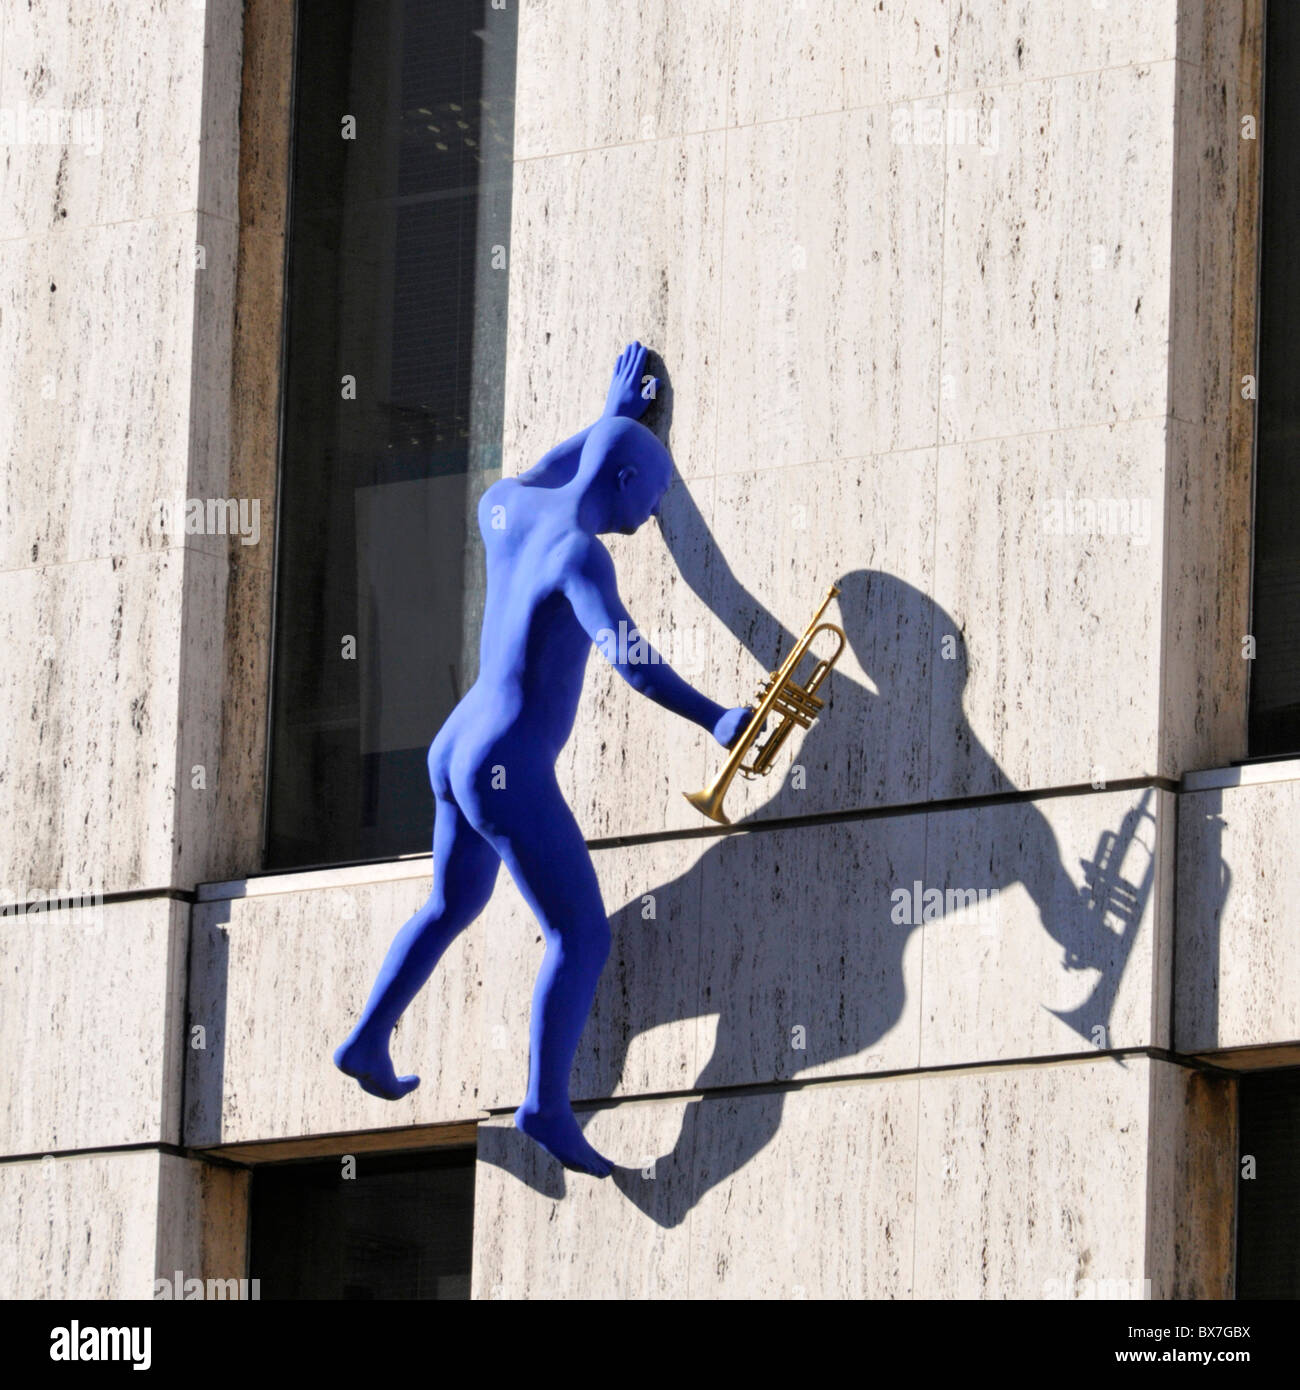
{"x":551,"y":593}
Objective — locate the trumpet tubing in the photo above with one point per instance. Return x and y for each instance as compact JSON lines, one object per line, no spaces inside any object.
{"x":781,"y":695}
{"x":798,"y":705}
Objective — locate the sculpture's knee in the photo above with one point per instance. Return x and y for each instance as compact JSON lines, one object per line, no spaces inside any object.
{"x":597,"y":941}
{"x":585,"y":939}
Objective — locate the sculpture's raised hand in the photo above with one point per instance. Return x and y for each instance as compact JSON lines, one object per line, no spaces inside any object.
{"x":627,"y":394}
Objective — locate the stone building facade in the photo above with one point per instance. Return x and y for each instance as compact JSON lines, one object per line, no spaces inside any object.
{"x":953,"y":298}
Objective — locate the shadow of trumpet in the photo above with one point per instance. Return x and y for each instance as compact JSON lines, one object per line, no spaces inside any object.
{"x":1117,"y":886}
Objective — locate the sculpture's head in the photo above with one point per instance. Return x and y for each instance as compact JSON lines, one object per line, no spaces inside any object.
{"x":628,"y":469}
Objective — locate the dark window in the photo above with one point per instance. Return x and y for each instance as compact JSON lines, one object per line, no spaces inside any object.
{"x":1275,"y":619}
{"x":1268,"y":1205}
{"x":402,"y":1227}
{"x":391,"y":418}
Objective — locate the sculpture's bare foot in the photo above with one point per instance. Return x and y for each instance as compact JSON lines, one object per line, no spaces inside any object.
{"x":372,"y":1068}
{"x":559,"y":1134}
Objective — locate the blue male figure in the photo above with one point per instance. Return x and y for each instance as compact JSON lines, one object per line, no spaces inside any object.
{"x":550,"y":593}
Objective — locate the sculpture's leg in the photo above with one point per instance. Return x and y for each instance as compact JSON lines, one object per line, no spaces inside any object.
{"x":464,"y":873}
{"x":548,"y":859}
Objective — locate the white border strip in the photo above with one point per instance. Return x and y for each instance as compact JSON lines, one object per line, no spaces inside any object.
{"x":304,"y":880}
{"x":1250,"y":775}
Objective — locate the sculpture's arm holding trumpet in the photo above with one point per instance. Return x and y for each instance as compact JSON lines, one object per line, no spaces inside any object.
{"x":593,"y":592}
{"x":781,"y":694}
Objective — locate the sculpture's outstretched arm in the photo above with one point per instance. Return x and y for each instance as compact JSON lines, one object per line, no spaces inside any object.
{"x":557,"y":466}
{"x":591,"y":588}
{"x":625,"y":397}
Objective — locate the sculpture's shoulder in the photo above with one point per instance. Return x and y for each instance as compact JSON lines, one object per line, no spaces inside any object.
{"x":495,"y":496}
{"x":495,"y":506}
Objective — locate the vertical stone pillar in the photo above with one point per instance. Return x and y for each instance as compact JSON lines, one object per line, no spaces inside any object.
{"x":140,"y":255}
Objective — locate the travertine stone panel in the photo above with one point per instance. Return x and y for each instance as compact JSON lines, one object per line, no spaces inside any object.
{"x":265,"y":99}
{"x":1193,"y":1157}
{"x":1048,"y":581}
{"x":831,"y":291}
{"x":783,"y":536}
{"x":1212,"y":349}
{"x":198,"y":749}
{"x":994,"y":41}
{"x":724,"y":616}
{"x":142,"y":85}
{"x":1026,"y":1183}
{"x":1056,"y":264}
{"x":702,"y":995}
{"x":234,"y":840}
{"x":836,"y":979}
{"x":1031,"y":1181}
{"x":621,"y":1237}
{"x":220,"y":169}
{"x":117,"y":282}
{"x":629,"y":760}
{"x":107,"y":1226}
{"x":212,"y":406}
{"x":99,"y":353}
{"x":642,"y":1034}
{"x":278,"y":981}
{"x":606,"y":247}
{"x":1238,"y":954}
{"x":711,"y":1199}
{"x":1205,"y":672}
{"x":89,"y":776}
{"x":1215,"y":214}
{"x":83,"y":1227}
{"x":202,"y":1221}
{"x":833,"y":55}
{"x":590,"y":74}
{"x":819,"y":981}
{"x":806,"y":1195}
{"x":91,"y":1003}
{"x":995,"y":982}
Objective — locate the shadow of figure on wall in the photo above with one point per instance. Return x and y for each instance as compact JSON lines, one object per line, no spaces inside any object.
{"x":842,"y":975}
{"x":833,"y":968}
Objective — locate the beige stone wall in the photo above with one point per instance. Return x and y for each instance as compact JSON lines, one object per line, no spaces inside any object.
{"x":1013,"y":1183}
{"x":891,"y":361}
{"x":277,"y":981}
{"x":117,"y":267}
{"x":982,"y":378}
{"x":140,"y":253}
{"x":1238,"y":955}
{"x":93,"y":1002}
{"x":897,"y":355}
{"x":101,"y":1226}
{"x":83,"y":1226}
{"x":827,"y":975}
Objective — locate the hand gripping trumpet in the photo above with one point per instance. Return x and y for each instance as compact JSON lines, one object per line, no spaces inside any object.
{"x":779,"y":694}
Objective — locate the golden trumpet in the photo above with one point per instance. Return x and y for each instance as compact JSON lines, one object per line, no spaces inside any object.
{"x":779,"y":694}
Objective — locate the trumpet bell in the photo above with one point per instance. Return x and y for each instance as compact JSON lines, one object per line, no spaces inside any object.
{"x":709,"y":801}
